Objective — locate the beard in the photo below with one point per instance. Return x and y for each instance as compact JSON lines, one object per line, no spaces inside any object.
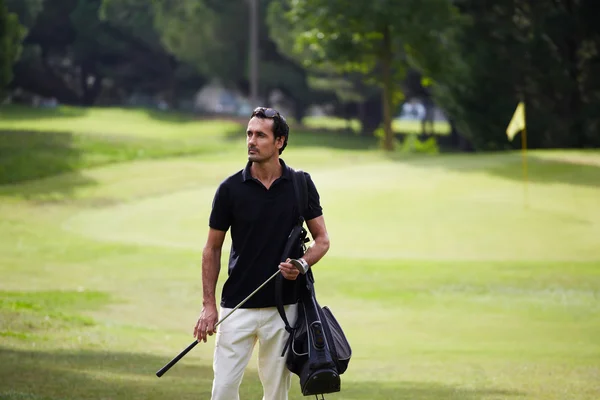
{"x":256,"y":156}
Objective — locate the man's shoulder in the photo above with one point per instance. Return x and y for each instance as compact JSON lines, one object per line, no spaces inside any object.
{"x":233,"y":179}
{"x":297,"y":170}
{"x":306,"y":174}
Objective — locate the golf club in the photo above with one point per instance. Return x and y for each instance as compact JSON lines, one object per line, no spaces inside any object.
{"x":300,"y":265}
{"x":195,"y":342}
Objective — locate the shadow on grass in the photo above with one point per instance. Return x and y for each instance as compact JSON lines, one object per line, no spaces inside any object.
{"x":30,"y":155}
{"x":15,"y":112}
{"x":89,"y":374}
{"x":510,"y":166}
{"x":417,"y":391}
{"x":170,"y":116}
{"x":542,"y":170}
{"x":86,"y":374}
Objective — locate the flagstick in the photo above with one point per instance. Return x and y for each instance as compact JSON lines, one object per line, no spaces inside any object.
{"x":525,"y":177}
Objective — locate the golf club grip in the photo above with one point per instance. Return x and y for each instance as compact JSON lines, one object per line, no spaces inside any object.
{"x":177,"y":358}
{"x":292,"y":240}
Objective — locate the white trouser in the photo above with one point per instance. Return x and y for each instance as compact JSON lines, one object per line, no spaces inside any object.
{"x":236,"y":338}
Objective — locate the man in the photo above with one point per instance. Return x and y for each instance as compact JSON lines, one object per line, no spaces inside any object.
{"x":259,"y":205}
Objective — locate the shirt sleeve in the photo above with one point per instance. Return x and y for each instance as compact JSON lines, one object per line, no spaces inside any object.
{"x":220,"y":215}
{"x":314,"y":208}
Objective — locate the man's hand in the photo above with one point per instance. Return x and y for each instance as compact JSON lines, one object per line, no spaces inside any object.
{"x":288,"y":270}
{"x":206,"y":322}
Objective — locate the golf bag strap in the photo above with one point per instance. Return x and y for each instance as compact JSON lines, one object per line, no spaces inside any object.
{"x":301,"y":191}
{"x":301,"y":194}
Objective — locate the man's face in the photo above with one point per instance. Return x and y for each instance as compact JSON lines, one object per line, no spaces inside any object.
{"x":260,"y":140}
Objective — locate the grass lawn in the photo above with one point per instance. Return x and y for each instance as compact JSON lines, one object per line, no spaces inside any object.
{"x":400,"y":126}
{"x":449,"y":282}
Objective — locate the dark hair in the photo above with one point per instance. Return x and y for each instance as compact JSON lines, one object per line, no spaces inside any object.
{"x":280,"y":126}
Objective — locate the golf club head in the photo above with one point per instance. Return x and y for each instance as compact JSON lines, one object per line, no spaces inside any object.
{"x":300,"y":265}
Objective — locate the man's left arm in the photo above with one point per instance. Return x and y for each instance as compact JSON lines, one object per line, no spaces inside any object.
{"x":320,"y":245}
{"x":317,"y":249}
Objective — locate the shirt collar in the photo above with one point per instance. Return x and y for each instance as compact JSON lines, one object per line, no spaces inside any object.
{"x":286,"y":172}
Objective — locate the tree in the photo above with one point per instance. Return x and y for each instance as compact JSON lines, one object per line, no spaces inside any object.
{"x":543,"y":52}
{"x":79,"y":53}
{"x":27,"y":10}
{"x":203,"y":36}
{"x":11,"y":34}
{"x":149,"y":67}
{"x":213,"y":36}
{"x":379,"y":39}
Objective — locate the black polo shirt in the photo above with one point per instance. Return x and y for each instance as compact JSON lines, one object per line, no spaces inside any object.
{"x":260,"y":222}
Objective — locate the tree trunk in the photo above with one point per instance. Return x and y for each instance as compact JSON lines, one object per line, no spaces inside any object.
{"x":457,"y":140}
{"x":577,"y":130}
{"x":299,"y":109}
{"x":254,"y":55}
{"x":370,"y":115}
{"x":386,"y":64}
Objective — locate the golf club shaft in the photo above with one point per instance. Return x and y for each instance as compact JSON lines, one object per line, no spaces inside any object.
{"x":195,"y":342}
{"x":179,"y":356}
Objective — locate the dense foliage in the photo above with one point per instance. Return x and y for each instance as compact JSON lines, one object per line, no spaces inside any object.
{"x":475,"y":59}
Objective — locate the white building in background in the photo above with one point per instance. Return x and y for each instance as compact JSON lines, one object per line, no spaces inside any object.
{"x":415,"y":110}
{"x":213,"y":98}
{"x":412,"y":110}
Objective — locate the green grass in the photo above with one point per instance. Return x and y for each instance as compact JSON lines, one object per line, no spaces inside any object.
{"x":449,"y":281}
{"x":399,"y":126}
{"x":39,"y":143}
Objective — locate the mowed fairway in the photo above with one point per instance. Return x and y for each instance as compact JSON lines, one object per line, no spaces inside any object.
{"x":450,"y":280}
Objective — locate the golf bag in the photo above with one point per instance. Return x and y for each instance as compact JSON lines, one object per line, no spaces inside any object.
{"x":317,"y":349}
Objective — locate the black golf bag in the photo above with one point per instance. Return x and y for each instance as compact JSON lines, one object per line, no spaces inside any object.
{"x":317,"y":349}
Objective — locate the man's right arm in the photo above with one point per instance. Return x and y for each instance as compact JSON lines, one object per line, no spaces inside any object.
{"x":211,"y":265}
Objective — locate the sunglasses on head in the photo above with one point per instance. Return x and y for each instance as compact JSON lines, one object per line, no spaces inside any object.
{"x":267,"y":112}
